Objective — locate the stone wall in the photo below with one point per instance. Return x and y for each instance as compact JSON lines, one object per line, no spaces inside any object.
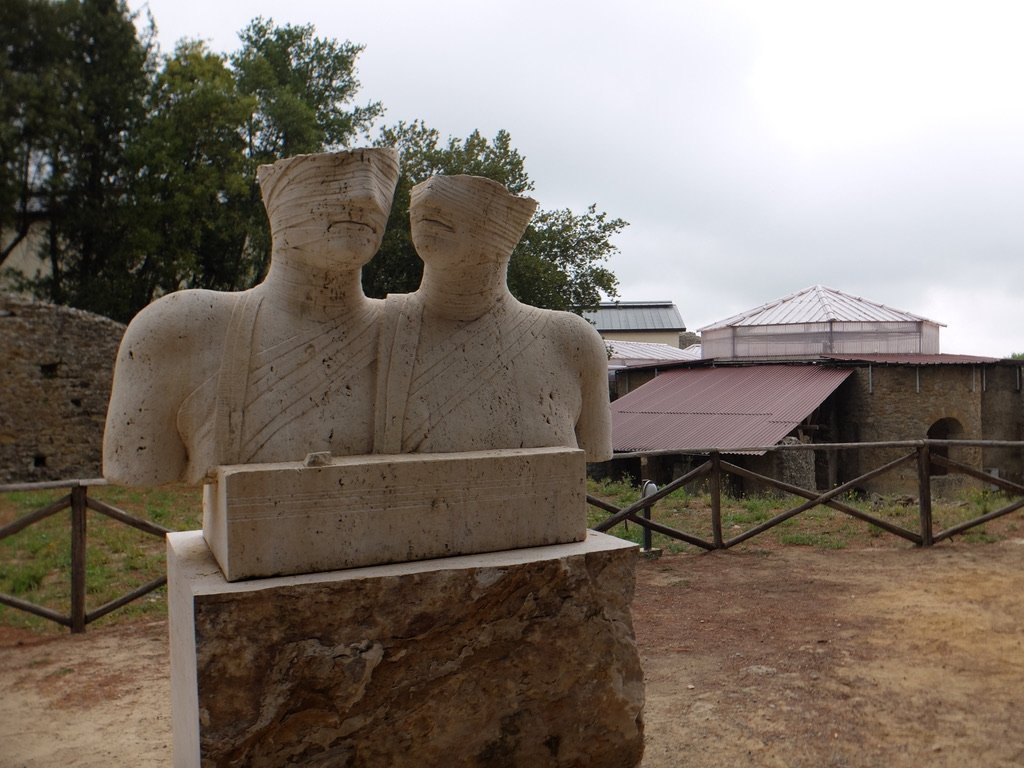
{"x":1003,"y":418}
{"x":57,"y":367}
{"x":792,"y":467}
{"x":882,"y":403}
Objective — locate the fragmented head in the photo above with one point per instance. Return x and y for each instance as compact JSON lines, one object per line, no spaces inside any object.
{"x":464,"y":218}
{"x":330,"y":208}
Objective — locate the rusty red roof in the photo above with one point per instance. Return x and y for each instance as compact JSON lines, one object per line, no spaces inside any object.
{"x":910,"y":359}
{"x":699,"y":409}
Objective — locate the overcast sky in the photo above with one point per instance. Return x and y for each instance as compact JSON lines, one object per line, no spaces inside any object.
{"x":756,"y":148}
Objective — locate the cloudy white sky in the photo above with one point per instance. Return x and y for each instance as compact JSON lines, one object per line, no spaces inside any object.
{"x":756,"y":148}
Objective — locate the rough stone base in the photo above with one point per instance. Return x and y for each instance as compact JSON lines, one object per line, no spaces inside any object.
{"x":517,"y":658}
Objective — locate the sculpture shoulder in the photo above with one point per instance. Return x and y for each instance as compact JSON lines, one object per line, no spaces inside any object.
{"x":181,"y":316}
{"x":178,"y":322}
{"x":578,"y":338}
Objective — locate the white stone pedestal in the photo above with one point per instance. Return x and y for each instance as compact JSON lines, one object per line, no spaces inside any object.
{"x":515,"y":658}
{"x":354,"y":511}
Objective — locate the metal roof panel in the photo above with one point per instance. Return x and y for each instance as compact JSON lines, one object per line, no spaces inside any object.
{"x":636,"y":316}
{"x":692,"y":409}
{"x":818,"y":304}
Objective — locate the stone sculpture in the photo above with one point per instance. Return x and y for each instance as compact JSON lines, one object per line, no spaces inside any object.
{"x":357,"y":632}
{"x":207,"y":378}
{"x":464,"y":365}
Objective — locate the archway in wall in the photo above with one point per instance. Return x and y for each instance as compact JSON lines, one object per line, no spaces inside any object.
{"x":943,"y":429}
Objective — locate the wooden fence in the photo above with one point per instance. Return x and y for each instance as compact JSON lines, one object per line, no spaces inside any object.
{"x":712,"y":471}
{"x":78,"y":501}
{"x":920,"y":453}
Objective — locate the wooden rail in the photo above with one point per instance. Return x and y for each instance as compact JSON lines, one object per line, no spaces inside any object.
{"x":78,"y":501}
{"x":921,"y":454}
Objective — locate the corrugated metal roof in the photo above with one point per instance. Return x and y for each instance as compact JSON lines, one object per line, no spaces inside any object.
{"x":626,"y":353}
{"x":697,"y":409}
{"x":636,"y":316}
{"x":818,"y":304}
{"x":909,"y":359}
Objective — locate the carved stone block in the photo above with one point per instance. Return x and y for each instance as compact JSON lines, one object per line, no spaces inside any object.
{"x":354,"y":511}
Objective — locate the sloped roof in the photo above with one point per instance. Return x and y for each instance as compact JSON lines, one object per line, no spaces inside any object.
{"x":911,"y":359}
{"x":730,"y":408}
{"x":818,"y":304}
{"x":636,"y":316}
{"x":628,"y":353}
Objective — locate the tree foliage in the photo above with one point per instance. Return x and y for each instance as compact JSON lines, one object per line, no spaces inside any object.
{"x":194,"y":189}
{"x":558,"y":263}
{"x":301,"y":85}
{"x":139,"y":168}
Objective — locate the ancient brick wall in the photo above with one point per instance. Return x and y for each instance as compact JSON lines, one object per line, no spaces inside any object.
{"x":57,"y":365}
{"x":881,"y":403}
{"x":1003,"y":418}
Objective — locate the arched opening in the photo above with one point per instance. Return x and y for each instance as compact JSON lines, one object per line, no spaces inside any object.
{"x":943,"y":429}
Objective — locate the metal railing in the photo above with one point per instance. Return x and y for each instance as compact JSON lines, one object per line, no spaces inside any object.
{"x":715,"y":468}
{"x":79,"y":502}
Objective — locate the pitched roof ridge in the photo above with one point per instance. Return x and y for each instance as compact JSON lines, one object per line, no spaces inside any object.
{"x":828,"y":300}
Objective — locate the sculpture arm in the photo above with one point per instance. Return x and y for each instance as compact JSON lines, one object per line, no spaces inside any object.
{"x":594,"y":426}
{"x":163,"y":356}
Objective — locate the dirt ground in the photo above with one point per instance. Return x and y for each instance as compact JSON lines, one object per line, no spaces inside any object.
{"x":787,"y":657}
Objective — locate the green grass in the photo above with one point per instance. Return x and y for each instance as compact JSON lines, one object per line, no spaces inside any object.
{"x":689,"y":511}
{"x":35,"y":563}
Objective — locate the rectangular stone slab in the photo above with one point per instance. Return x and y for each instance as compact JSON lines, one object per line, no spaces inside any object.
{"x":278,"y":519}
{"x":516,"y":658}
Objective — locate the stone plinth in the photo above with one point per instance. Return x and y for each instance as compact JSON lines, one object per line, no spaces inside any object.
{"x":353,"y":511}
{"x":513,"y":658}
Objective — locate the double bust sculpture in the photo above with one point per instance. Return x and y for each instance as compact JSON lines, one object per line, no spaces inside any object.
{"x":305,"y":362}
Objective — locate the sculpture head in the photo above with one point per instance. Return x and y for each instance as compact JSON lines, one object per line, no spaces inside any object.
{"x":329,"y":210}
{"x":462,"y":220}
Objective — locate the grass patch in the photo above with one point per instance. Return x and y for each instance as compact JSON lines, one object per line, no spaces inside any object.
{"x":806,"y":539}
{"x":689,"y":511}
{"x":35,"y":563}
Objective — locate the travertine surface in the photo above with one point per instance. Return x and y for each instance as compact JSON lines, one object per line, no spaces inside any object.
{"x":522,"y":658}
{"x":347,"y":512}
{"x":206,"y":378}
{"x":465,"y":366}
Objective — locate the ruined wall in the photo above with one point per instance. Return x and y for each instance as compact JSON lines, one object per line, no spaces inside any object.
{"x":901,"y":402}
{"x":1003,"y":418}
{"x":792,"y":467}
{"x":57,"y":364}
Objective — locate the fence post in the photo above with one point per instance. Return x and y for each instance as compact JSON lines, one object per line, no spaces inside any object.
{"x":78,"y":510}
{"x":646,"y":489}
{"x":924,"y":494}
{"x":716,"y":500}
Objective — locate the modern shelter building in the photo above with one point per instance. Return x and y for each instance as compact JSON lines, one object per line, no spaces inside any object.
{"x":821,"y":366}
{"x":644,"y":321}
{"x":819,"y":321}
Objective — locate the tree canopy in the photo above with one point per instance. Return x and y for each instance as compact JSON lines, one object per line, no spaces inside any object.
{"x":139,"y":167}
{"x":557,"y":264}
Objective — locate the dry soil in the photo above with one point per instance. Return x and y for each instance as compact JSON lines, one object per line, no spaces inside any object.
{"x":791,"y":657}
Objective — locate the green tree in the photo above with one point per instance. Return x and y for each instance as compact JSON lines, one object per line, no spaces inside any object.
{"x":71,"y":98}
{"x":33,"y":64}
{"x":302,"y":87}
{"x":302,"y":84}
{"x":192,"y":194}
{"x":142,"y":167}
{"x":557,"y":265}
{"x":86,"y":175}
